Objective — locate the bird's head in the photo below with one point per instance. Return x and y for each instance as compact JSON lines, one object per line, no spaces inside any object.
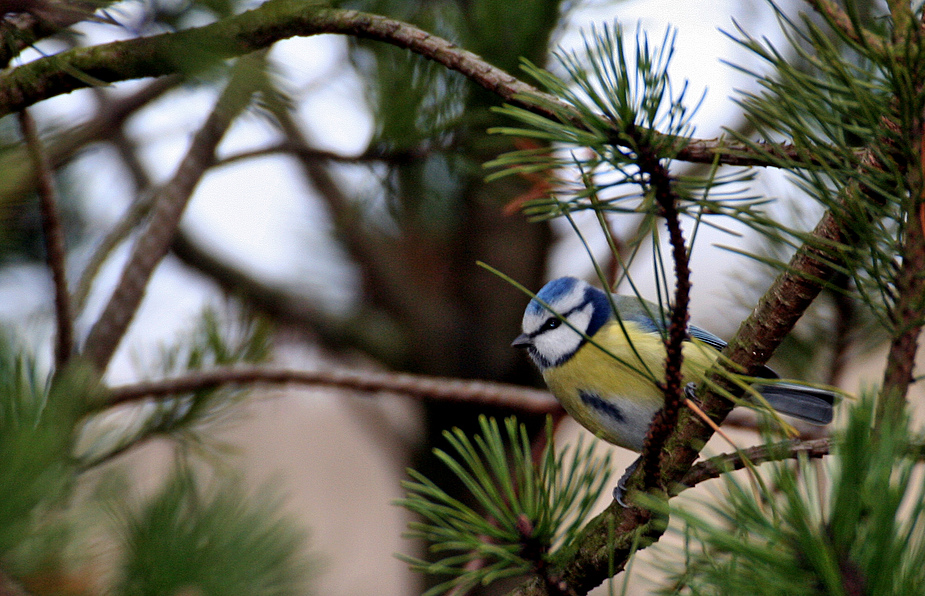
{"x":548,"y":340}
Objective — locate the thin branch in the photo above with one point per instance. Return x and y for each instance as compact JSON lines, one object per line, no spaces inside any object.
{"x":304,"y":151}
{"x":138,"y":211}
{"x":170,"y":53}
{"x":418,"y":386}
{"x":386,"y":278}
{"x":18,"y":174}
{"x":168,"y":208}
{"x":666,"y":418}
{"x":141,"y":207}
{"x":729,"y":462}
{"x":53,"y":236}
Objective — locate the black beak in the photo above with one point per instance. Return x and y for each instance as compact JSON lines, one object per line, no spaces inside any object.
{"x":522,"y":341}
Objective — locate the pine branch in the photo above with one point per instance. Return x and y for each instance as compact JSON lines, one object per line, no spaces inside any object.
{"x":194,"y":49}
{"x":418,"y":386}
{"x":841,"y":21}
{"x":167,"y":210}
{"x":728,"y":462}
{"x":906,"y":314}
{"x":53,"y":236}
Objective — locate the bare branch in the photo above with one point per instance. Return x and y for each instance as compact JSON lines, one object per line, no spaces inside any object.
{"x":303,"y":151}
{"x":167,"y":210}
{"x":418,"y":386}
{"x":729,"y":462}
{"x":53,"y":236}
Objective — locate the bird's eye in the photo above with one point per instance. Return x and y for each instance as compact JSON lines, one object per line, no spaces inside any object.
{"x":551,"y":324}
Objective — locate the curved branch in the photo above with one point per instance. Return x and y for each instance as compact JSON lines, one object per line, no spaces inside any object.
{"x":195,"y":49}
{"x":418,"y":386}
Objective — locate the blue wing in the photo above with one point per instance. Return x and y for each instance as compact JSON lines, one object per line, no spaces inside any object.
{"x":706,"y":337}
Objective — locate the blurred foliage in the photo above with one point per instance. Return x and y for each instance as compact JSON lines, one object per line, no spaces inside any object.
{"x":218,"y":339}
{"x":211,"y":540}
{"x":37,"y":422}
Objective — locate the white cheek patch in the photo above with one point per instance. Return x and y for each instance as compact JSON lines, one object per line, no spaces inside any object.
{"x":559,"y":344}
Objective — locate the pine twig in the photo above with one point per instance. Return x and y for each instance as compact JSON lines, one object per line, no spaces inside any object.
{"x":53,"y":236}
{"x":301,"y":150}
{"x":168,"y":208}
{"x":417,"y":386}
{"x":728,"y":462}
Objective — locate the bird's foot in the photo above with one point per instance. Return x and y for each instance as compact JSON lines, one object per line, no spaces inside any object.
{"x":619,"y":491}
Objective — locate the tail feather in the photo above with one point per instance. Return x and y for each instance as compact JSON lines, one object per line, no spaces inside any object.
{"x":806,"y":403}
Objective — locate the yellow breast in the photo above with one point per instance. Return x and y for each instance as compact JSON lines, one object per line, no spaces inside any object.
{"x":614,"y":394}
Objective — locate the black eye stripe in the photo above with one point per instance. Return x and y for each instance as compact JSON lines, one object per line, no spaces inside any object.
{"x":551,"y":324}
{"x":543,"y":328}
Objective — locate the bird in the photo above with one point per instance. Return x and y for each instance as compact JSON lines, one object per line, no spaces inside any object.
{"x":605,"y":369}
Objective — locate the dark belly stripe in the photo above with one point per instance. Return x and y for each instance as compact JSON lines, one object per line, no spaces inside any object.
{"x":596,"y":402}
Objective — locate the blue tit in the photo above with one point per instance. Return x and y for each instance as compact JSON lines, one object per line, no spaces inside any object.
{"x":614,"y":395}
